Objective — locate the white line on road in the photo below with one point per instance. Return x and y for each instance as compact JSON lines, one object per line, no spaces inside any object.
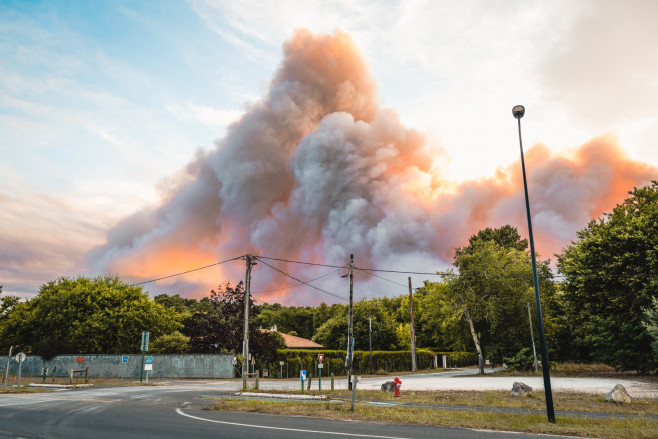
{"x":180,"y":412}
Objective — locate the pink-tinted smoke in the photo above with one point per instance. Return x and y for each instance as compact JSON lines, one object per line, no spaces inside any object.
{"x":318,"y":170}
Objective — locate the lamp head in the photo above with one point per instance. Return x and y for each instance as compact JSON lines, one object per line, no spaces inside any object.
{"x":518,"y":111}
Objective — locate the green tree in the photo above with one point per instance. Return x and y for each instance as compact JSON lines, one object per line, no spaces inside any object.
{"x":333,"y":333}
{"x":438,"y":325}
{"x":611,"y":283}
{"x":492,"y":289}
{"x":174,"y":343}
{"x":221,"y":328}
{"x":86,"y":315}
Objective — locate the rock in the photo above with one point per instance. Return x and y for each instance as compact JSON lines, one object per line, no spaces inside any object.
{"x":618,"y":394}
{"x":520,"y":389}
{"x":388,"y":386}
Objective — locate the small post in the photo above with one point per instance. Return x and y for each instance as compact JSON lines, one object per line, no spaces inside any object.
{"x":71,"y":376}
{"x":20,"y":366}
{"x":45,"y":372}
{"x":310,"y":378}
{"x":87,"y":376}
{"x":532,"y":336}
{"x":11,"y":348}
{"x":354,"y":379}
{"x":54,"y":373}
{"x":332,"y":381}
{"x":256,"y":384}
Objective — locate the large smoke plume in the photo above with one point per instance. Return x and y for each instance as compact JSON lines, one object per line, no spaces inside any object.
{"x":318,"y":170}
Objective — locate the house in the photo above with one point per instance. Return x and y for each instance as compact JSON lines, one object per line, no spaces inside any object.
{"x":294,"y":342}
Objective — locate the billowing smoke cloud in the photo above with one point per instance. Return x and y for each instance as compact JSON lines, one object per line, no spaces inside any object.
{"x":317,"y":170}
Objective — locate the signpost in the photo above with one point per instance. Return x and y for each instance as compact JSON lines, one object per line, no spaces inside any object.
{"x":148,"y":366}
{"x":124,"y":360}
{"x":145,"y":347}
{"x":20,"y":357}
{"x":302,"y":377}
{"x":281,"y":373}
{"x":320,"y":358}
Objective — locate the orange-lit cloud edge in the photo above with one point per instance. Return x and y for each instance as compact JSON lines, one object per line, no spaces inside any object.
{"x":317,"y":170}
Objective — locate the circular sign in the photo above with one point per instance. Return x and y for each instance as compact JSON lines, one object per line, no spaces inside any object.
{"x":20,"y":357}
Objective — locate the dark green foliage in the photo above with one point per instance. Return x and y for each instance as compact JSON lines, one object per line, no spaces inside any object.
{"x":388,"y":361}
{"x":333,"y":333}
{"x":522,"y":361}
{"x":611,"y":283}
{"x":220,"y":326}
{"x":83,"y":315}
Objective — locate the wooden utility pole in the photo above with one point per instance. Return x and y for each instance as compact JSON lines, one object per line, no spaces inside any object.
{"x":245,"y":341}
{"x":370,"y":341}
{"x":413,"y":333}
{"x":350,"y":331}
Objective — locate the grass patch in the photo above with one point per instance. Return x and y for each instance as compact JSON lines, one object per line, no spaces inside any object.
{"x":530,"y":423}
{"x":429,"y":411}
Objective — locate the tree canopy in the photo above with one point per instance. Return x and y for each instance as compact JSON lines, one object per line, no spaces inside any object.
{"x":90,"y":315}
{"x":611,"y":282}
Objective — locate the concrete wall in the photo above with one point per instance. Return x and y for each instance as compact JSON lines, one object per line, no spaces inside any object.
{"x":170,"y":366}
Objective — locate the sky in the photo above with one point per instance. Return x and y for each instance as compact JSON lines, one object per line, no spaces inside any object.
{"x":145,"y":139}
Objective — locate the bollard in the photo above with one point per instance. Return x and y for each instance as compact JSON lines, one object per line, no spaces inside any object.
{"x":54,"y":373}
{"x":45,"y":372}
{"x":332,"y":381}
{"x":87,"y":375}
{"x":71,"y":377}
{"x":354,"y":381}
{"x":256,"y":384}
{"x":310,"y":377}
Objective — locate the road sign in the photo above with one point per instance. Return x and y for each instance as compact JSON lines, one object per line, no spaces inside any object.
{"x":124,"y":359}
{"x":145,"y":341}
{"x":80,"y":360}
{"x":320,"y":366}
{"x":320,"y":358}
{"x":302,"y":375}
{"x":20,"y":357}
{"x":149,"y":360}
{"x":148,"y":367}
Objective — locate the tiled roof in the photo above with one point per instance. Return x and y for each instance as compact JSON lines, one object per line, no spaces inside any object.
{"x":294,"y":342}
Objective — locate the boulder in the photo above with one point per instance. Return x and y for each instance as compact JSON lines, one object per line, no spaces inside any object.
{"x":618,"y":394}
{"x":388,"y":386}
{"x":520,"y":389}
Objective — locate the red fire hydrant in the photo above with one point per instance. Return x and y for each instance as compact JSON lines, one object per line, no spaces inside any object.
{"x":398,"y":383}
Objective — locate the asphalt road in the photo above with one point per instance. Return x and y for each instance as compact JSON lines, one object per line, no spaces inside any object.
{"x":175,"y":410}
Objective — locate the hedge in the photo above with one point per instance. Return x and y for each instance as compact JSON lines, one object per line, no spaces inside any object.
{"x":382,"y":361}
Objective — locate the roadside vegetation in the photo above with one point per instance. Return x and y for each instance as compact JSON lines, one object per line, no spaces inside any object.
{"x":428,"y":408}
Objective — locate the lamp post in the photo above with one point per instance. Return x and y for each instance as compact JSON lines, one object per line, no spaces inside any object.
{"x":518,"y":112}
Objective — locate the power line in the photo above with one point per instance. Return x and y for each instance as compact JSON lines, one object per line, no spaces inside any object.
{"x":300,"y":262}
{"x":302,"y":282}
{"x":296,"y":285}
{"x":185,"y":272}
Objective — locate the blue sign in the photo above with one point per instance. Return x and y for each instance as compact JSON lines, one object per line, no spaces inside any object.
{"x":302,"y":375}
{"x":124,"y":359}
{"x":149,"y":360}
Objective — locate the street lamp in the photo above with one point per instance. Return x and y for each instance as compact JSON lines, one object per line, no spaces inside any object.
{"x":518,"y":112}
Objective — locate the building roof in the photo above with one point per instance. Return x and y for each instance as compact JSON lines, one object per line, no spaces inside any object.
{"x":294,"y":342}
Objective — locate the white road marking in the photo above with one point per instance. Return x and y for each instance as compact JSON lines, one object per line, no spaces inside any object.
{"x":180,"y":412}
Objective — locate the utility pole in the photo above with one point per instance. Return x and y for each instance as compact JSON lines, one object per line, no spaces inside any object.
{"x":532,"y":336}
{"x":245,"y":342}
{"x":370,"y":340}
{"x":350,"y":331}
{"x":413,"y":333}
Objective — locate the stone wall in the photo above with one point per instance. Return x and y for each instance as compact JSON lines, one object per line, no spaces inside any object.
{"x":169,"y":366}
